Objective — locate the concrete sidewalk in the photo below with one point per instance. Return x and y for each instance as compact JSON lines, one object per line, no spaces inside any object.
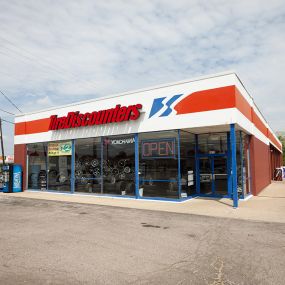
{"x":269,"y":206}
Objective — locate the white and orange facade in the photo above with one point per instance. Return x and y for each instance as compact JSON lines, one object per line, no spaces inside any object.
{"x":209,"y":127}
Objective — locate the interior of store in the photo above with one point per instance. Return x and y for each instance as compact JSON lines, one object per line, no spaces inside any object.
{"x":171,"y":164}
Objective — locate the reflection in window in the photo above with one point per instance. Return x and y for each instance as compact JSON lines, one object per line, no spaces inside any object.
{"x":119,"y":165}
{"x":212,"y":143}
{"x":187,"y":162}
{"x":88,"y":165}
{"x":158,"y":164}
{"x":59,"y":167}
{"x":37,"y":155}
{"x":243,"y":170}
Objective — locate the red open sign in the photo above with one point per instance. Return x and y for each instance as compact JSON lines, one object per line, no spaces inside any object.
{"x":160,"y":148}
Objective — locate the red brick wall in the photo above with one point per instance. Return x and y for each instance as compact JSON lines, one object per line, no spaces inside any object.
{"x":20,"y":153}
{"x":260,"y":165}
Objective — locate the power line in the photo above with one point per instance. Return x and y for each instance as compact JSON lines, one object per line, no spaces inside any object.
{"x":10,"y":101}
{"x":42,"y":62}
{"x":43,"y":67}
{"x":7,"y":112}
{"x":46,"y":68}
{"x":7,"y":121}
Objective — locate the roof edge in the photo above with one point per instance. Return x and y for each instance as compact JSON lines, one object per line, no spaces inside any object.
{"x":133,"y":92}
{"x":253,"y":101}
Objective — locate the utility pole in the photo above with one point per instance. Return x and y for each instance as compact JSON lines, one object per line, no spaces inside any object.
{"x":2,"y":145}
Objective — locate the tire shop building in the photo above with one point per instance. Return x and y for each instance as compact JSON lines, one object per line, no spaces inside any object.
{"x":202,"y":137}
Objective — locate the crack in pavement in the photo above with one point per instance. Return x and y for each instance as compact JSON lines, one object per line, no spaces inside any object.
{"x":218,"y":265}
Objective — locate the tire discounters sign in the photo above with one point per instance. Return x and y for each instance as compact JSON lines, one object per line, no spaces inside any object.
{"x":113,"y":115}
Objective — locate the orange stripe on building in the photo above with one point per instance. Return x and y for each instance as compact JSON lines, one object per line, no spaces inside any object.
{"x":274,"y":140}
{"x":32,"y":127}
{"x":242,"y":105}
{"x":258,"y":123}
{"x":222,"y":98}
{"x":207,"y":100}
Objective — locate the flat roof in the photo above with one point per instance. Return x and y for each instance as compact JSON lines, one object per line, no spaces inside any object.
{"x":133,"y":92}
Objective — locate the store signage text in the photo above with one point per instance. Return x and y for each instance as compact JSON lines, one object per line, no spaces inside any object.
{"x":59,"y":148}
{"x":160,"y":148}
{"x":119,"y":141}
{"x":113,"y":115}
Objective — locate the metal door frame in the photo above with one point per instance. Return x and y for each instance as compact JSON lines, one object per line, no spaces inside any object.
{"x":212,"y":167}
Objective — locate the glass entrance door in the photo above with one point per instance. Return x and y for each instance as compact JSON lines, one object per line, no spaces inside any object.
{"x":206,"y":176}
{"x":213,"y":175}
{"x":220,"y":175}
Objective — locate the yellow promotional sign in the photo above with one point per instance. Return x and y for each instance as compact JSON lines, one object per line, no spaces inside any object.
{"x":60,"y":148}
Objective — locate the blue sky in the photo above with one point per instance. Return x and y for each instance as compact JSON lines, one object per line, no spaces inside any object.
{"x":56,"y":52}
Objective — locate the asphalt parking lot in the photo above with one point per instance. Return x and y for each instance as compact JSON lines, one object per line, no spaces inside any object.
{"x":48,"y":242}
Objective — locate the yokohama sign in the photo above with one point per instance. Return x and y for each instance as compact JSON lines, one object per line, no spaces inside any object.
{"x":114,"y":115}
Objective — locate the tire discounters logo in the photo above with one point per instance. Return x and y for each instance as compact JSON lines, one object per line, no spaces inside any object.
{"x":163,"y":106}
{"x":114,"y":115}
{"x":198,"y":101}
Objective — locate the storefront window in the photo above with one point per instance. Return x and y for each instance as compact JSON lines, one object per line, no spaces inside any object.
{"x":246,"y":165}
{"x":243,"y":169}
{"x":37,"y":161}
{"x":88,"y":165}
{"x":187,"y":164}
{"x":213,"y":143}
{"x":158,"y":164}
{"x":239,"y":143}
{"x":119,"y":165}
{"x":106,"y":165}
{"x":59,"y":166}
{"x":213,"y":163}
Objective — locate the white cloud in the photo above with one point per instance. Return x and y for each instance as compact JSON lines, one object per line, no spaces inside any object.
{"x":52,"y":52}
